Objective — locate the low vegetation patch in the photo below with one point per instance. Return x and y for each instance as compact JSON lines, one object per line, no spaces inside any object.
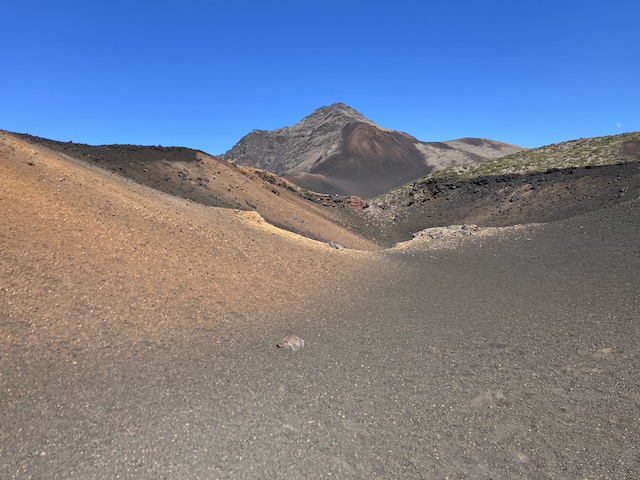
{"x":584,"y":152}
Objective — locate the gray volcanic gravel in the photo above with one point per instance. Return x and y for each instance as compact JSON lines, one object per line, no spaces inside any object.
{"x":506,"y":357}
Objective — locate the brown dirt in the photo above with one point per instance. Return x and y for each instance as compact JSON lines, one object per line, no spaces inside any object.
{"x":110,"y":245}
{"x":207,"y":180}
{"x":393,"y":157}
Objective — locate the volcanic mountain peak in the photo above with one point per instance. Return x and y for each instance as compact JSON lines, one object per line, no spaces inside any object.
{"x":337,"y":150}
{"x":322,"y":128}
{"x":297,"y":147}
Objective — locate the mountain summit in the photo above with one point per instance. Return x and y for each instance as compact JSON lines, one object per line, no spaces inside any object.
{"x":296,"y":148}
{"x":336,"y":112}
{"x":338,"y":150}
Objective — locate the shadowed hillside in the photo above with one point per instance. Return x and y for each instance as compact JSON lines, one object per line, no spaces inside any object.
{"x":211,"y":181}
{"x":551,"y":183}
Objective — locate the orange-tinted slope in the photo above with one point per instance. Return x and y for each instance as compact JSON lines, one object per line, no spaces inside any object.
{"x":82,"y":248}
{"x":211,"y":181}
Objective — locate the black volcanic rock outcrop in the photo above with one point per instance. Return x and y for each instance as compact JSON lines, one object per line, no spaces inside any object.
{"x":337,"y":150}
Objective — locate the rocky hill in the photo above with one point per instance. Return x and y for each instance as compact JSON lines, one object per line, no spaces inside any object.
{"x":211,"y":181}
{"x":337,"y":150}
{"x":542,"y":185}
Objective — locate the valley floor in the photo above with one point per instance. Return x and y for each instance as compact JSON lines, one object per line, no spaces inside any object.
{"x":510,"y":356}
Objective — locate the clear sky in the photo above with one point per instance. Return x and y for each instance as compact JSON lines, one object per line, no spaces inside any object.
{"x":202,"y":74}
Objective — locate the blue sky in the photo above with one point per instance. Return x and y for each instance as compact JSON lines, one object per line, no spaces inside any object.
{"x":202,"y":74}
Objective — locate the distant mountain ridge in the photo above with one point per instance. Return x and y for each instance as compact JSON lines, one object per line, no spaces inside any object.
{"x":337,"y":150}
